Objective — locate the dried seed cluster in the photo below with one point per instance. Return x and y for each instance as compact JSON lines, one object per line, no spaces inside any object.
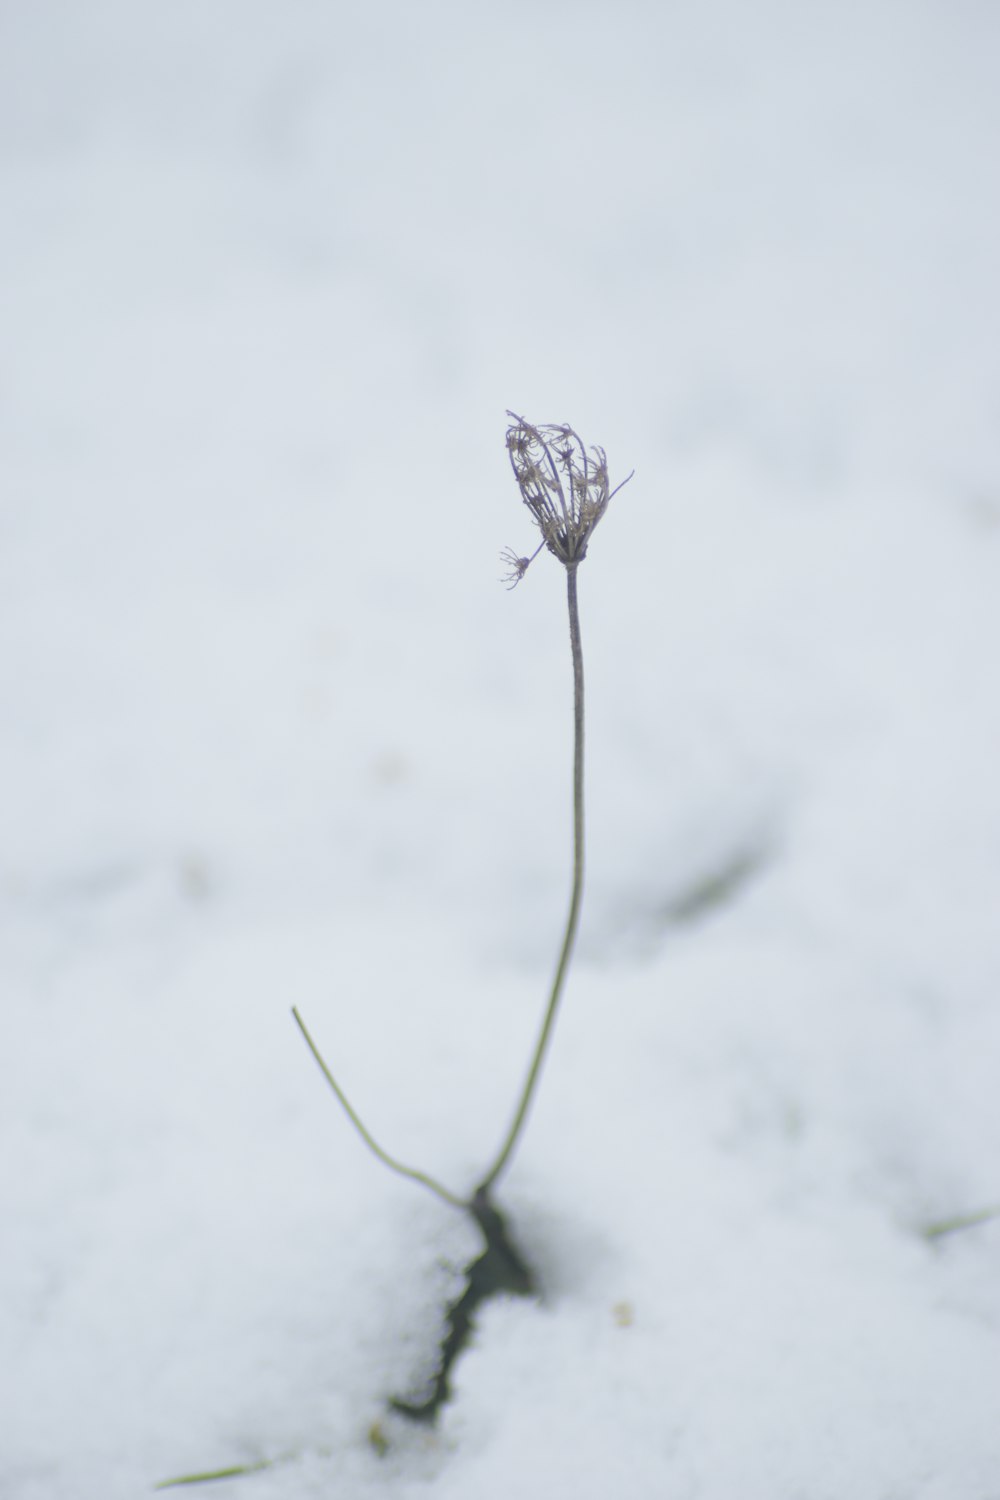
{"x":564,"y":485}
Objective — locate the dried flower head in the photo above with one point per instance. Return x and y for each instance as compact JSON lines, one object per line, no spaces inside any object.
{"x":563,"y":484}
{"x":516,"y":566}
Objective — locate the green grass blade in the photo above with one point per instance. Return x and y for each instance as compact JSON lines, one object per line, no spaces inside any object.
{"x":233,"y":1472}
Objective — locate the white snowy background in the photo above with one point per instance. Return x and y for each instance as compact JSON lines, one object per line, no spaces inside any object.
{"x":273,"y":733}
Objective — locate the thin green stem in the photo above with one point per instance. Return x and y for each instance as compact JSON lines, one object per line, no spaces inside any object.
{"x":961,"y":1221}
{"x":370,"y":1142}
{"x":576,"y":897}
{"x":232,"y":1472}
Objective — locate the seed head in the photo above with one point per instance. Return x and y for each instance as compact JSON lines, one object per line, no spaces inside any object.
{"x":516,"y":567}
{"x":563,"y":484}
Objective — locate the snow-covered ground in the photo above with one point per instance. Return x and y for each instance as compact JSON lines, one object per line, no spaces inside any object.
{"x":274,"y":734}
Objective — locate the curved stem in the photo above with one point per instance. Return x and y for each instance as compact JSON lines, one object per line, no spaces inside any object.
{"x":576,"y":896}
{"x":370,"y":1142}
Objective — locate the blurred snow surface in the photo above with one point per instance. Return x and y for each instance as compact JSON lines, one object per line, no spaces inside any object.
{"x":273,"y":734}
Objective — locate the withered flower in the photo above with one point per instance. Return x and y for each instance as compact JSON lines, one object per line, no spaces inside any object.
{"x":564,"y":485}
{"x":517,"y":566}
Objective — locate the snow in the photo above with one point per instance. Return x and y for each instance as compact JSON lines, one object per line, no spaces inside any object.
{"x":274,"y":734}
